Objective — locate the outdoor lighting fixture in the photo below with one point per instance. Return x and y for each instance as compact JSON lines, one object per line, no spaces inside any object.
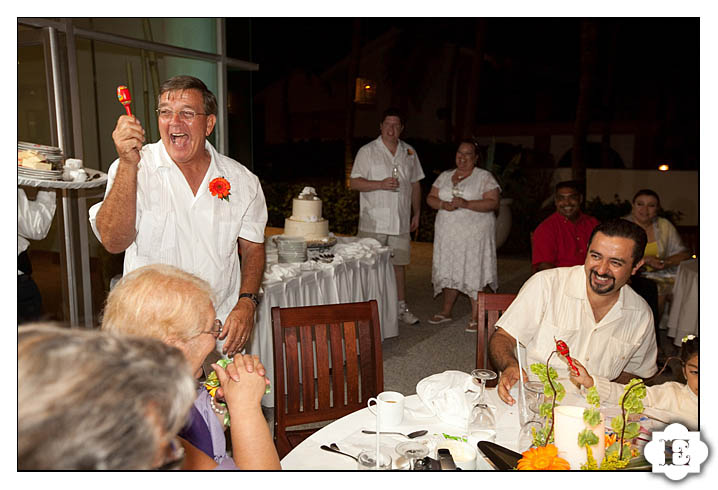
{"x":364,"y":91}
{"x":663,"y":167}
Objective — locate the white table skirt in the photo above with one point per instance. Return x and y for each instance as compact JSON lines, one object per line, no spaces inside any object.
{"x":683,"y":315}
{"x":366,"y":276}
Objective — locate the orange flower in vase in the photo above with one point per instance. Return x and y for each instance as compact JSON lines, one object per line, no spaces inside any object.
{"x":542,"y":458}
{"x":220,"y":187}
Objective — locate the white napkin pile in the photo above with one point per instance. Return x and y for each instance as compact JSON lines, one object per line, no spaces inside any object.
{"x":279,"y":272}
{"x":448,"y":396}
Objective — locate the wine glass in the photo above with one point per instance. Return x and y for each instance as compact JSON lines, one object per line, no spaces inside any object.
{"x":456,"y":191}
{"x":526,"y":435}
{"x":482,"y":376}
{"x":366,"y":460}
{"x":534,"y":394}
{"x":412,"y":450}
{"x":482,"y":423}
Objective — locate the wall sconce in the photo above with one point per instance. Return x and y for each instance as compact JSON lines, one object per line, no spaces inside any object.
{"x":364,"y":91}
{"x":663,"y":167}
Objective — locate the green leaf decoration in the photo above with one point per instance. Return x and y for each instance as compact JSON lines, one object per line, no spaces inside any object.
{"x":592,"y":397}
{"x":632,"y":430}
{"x":617,"y":424}
{"x":587,"y":438}
{"x":539,"y":370}
{"x":592,"y":417}
{"x":590,"y":463}
{"x":545,"y":410}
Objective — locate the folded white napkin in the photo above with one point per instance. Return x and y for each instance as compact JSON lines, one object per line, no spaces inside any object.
{"x":448,"y":396}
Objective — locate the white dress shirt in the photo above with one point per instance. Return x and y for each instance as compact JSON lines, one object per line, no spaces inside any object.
{"x":34,"y":218}
{"x":386,"y":212}
{"x":195,"y":233}
{"x":553,"y":304}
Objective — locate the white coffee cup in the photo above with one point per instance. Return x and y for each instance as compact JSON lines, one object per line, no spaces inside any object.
{"x":391,"y":406}
{"x":463,"y":453}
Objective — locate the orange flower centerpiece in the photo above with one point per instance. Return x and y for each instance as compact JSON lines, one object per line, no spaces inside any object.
{"x":220,"y":187}
{"x":542,"y":458}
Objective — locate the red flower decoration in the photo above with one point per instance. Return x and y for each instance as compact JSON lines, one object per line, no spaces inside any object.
{"x":220,"y":187}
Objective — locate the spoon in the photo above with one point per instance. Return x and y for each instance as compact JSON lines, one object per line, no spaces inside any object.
{"x":411,"y":435}
{"x":332,"y":450}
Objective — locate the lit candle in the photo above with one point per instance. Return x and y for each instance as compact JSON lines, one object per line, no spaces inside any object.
{"x":568,"y":423}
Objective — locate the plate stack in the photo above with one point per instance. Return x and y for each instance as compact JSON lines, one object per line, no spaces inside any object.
{"x":42,"y":153}
{"x":291,"y":249}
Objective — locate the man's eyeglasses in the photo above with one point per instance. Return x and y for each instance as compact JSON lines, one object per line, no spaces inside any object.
{"x":216,"y":330}
{"x":186,"y":115}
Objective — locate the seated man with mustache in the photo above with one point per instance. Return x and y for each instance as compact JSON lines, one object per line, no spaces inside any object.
{"x":604,"y":322}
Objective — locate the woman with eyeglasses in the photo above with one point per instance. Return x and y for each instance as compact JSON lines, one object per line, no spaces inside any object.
{"x":168,"y":304}
{"x":90,"y":400}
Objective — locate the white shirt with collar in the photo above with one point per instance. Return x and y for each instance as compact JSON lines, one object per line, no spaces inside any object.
{"x":554,"y":304}
{"x":195,"y":233}
{"x":381,"y":211}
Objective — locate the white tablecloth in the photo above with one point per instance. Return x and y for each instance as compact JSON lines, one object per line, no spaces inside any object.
{"x":361,"y":271}
{"x":683,"y":315}
{"x":347,"y":430}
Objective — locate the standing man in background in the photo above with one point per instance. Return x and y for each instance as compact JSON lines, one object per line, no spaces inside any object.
{"x":386,"y":173}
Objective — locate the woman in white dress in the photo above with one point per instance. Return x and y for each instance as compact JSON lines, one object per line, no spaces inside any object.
{"x":464,"y":232}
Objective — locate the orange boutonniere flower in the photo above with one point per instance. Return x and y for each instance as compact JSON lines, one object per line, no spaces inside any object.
{"x":542,"y":458}
{"x":220,"y":187}
{"x":409,"y":151}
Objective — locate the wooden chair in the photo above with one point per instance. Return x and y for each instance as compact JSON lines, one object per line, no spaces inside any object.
{"x":337,"y":378}
{"x":490,"y":307}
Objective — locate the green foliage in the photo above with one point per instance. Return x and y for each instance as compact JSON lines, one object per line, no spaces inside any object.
{"x":590,"y":463}
{"x":540,"y":370}
{"x":587,"y":438}
{"x":593,"y":397}
{"x":545,"y":409}
{"x":592,"y":417}
{"x":632,"y":396}
{"x":539,"y":436}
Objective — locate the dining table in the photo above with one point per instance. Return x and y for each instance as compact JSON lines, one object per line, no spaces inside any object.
{"x":352,"y":270}
{"x":347,"y":434}
{"x":683,"y":313}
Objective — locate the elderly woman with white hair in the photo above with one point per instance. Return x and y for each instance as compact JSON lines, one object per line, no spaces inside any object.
{"x":94,"y":401}
{"x":171,"y":305}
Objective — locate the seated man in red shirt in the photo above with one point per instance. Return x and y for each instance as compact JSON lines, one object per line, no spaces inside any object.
{"x":561,"y":239}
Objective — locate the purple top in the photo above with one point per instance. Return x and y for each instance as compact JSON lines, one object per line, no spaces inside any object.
{"x":206,"y":433}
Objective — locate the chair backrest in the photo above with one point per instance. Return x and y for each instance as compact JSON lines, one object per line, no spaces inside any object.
{"x":337,"y":350}
{"x":489,"y":308}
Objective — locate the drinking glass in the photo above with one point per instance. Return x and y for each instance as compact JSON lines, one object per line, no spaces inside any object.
{"x":482,"y":376}
{"x":526,"y":435}
{"x":366,"y":460}
{"x":482,"y":423}
{"x":456,"y":191}
{"x":395,"y":175}
{"x":534,"y":395}
{"x":412,"y":450}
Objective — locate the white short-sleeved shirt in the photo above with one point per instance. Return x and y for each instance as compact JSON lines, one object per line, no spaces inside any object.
{"x":381,"y":211}
{"x":195,"y":233}
{"x":554,"y":304}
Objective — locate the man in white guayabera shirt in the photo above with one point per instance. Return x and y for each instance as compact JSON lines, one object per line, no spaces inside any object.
{"x":605,"y":324}
{"x":386,"y":173}
{"x":179,"y":202}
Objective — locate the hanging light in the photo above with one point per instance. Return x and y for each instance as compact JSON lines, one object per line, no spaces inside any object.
{"x":663,"y":167}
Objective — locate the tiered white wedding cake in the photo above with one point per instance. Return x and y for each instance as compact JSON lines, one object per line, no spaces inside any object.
{"x":306,"y":220}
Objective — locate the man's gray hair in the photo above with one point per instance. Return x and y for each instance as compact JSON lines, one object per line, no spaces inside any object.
{"x":186,"y":82}
{"x":90,"y":400}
